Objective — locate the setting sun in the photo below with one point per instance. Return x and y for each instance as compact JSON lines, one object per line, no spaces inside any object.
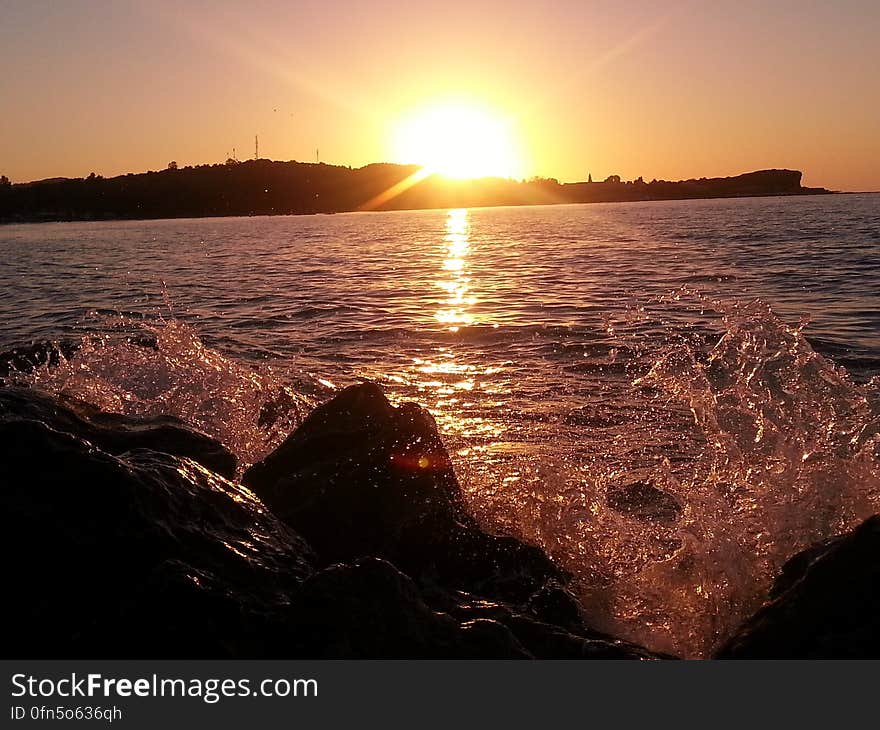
{"x":458,"y":141}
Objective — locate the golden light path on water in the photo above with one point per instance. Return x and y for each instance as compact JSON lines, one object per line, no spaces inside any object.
{"x":446,"y":377}
{"x":455,"y":312}
{"x":444,"y":380}
{"x":456,"y":286}
{"x":467,"y":392}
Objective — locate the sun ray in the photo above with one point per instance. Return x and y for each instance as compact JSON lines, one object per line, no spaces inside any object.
{"x":397,"y":189}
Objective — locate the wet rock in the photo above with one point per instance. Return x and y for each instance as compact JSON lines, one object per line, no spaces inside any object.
{"x":116,"y":433}
{"x":360,"y":477}
{"x":553,"y":603}
{"x":641,"y":500}
{"x":152,"y":554}
{"x":369,"y":609}
{"x":826,"y":604}
{"x":27,"y":358}
{"x":276,"y":408}
{"x":143,"y":554}
{"x":541,"y":636}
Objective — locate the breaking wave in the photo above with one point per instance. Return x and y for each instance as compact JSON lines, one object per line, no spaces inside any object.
{"x":781,"y":451}
{"x":726,"y":460}
{"x":162,"y":367}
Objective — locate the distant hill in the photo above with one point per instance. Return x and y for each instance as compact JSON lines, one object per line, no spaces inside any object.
{"x":265,"y":187}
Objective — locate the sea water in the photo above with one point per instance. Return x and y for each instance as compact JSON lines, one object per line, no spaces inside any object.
{"x":670,"y":398}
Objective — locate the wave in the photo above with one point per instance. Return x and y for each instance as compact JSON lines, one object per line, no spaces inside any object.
{"x":680,"y":492}
{"x":162,"y":367}
{"x":782,"y":451}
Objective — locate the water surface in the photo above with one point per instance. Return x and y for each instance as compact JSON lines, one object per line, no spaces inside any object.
{"x":585,"y":363}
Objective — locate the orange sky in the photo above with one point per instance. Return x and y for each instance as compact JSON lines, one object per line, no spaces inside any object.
{"x":697,"y":89}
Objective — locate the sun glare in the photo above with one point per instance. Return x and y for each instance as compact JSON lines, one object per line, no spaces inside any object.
{"x":458,"y":141}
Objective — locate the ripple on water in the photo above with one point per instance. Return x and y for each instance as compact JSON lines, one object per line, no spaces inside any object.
{"x":670,"y":447}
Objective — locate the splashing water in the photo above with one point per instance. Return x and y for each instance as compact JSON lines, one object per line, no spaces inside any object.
{"x":161,"y":367}
{"x":759,"y":448}
{"x":781,"y":450}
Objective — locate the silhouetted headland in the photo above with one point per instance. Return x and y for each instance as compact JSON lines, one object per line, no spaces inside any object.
{"x":265,"y":187}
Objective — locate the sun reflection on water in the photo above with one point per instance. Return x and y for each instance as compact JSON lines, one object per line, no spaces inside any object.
{"x":456,"y":282}
{"x":465,"y":390}
{"x":445,"y":380}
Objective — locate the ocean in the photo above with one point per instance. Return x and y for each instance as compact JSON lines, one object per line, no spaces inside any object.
{"x":671,"y":398}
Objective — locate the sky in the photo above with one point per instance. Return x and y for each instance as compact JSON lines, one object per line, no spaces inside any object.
{"x":666,"y":90}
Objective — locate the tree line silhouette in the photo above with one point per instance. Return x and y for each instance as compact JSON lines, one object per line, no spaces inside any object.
{"x":266,"y":187}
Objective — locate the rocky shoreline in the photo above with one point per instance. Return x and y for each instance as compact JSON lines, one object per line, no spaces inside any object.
{"x":130,"y":537}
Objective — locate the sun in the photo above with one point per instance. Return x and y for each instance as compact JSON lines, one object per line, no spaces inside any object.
{"x":458,"y":141}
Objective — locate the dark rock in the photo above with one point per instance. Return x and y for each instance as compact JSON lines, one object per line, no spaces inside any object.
{"x":152,"y":554}
{"x":554,"y":604}
{"x":795,"y":567}
{"x":143,"y":554}
{"x":360,"y":477}
{"x":541,"y":636}
{"x":641,"y":500}
{"x":826,"y":604}
{"x":27,"y":358}
{"x":116,"y":433}
{"x":276,"y":408}
{"x":369,"y":609}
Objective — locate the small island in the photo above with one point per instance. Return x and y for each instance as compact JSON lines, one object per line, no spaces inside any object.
{"x":267,"y":187}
